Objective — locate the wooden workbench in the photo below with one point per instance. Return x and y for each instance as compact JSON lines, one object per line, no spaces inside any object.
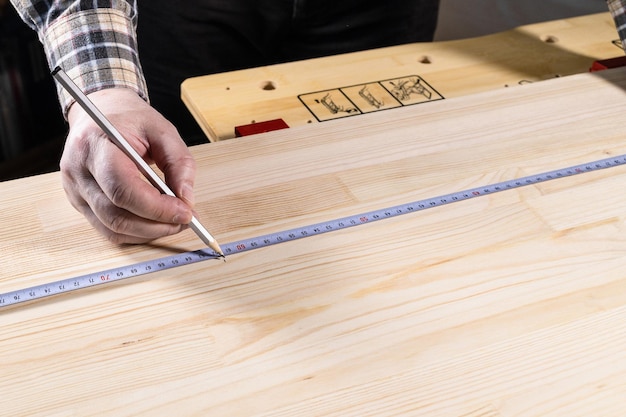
{"x":510,"y":304}
{"x":353,"y":84}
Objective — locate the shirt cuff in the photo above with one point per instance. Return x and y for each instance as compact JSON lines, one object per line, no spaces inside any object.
{"x":618,"y":11}
{"x":97,"y":49}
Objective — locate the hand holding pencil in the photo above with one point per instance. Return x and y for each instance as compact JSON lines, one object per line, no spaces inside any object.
{"x":105,"y":182}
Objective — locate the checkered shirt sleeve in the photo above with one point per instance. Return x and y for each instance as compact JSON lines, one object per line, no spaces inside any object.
{"x":94,"y":41}
{"x":618,"y":10}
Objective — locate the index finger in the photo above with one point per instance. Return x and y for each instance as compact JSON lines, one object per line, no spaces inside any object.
{"x":125,"y":186}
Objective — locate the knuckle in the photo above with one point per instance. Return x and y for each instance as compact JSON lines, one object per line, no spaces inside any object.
{"x":119,"y":224}
{"x":68,"y":164}
{"x":188,"y":161}
{"x":65,"y":166}
{"x":114,"y":238}
{"x":159,"y":213}
{"x":120,"y":194}
{"x":78,"y":145}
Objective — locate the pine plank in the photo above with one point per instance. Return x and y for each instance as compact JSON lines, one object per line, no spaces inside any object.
{"x":451,"y":68}
{"x":510,"y":304}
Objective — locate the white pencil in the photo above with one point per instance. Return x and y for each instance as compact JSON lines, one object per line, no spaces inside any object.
{"x":117,"y":138}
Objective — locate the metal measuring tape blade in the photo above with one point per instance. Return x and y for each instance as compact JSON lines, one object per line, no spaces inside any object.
{"x":141,"y":268}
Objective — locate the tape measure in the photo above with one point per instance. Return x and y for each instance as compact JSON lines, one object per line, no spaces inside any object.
{"x":134,"y":270}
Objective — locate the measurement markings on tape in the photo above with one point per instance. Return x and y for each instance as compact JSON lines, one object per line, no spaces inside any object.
{"x":141,"y":268}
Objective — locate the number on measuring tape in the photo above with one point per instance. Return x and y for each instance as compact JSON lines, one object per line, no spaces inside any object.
{"x":100,"y":278}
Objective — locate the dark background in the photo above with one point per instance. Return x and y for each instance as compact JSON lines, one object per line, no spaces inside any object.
{"x":32,"y":129}
{"x":31,"y":126}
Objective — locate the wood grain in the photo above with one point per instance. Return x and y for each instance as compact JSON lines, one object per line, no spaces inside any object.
{"x":511,"y":304}
{"x":453,"y":68}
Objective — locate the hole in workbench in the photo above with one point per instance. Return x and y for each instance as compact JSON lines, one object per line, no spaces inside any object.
{"x":425,"y":60}
{"x":268,"y":85}
{"x":549,"y":39}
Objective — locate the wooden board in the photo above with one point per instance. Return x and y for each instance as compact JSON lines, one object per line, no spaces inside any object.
{"x":294,"y":91}
{"x":511,"y":304}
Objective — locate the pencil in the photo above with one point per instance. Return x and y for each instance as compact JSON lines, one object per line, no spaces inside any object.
{"x":117,"y":138}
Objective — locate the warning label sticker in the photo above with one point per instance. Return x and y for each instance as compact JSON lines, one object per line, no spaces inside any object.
{"x":370,"y":97}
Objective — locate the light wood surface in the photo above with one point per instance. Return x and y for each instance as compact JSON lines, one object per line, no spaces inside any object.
{"x":220,"y":102}
{"x":511,"y":304}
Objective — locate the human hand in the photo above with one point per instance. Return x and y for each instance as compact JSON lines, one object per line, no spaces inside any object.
{"x":105,"y":185}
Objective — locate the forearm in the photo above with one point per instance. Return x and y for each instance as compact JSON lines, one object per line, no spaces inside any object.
{"x":93,"y":41}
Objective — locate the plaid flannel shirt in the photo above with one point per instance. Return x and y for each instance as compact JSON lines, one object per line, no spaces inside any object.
{"x":618,"y":10}
{"x":94,"y":41}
